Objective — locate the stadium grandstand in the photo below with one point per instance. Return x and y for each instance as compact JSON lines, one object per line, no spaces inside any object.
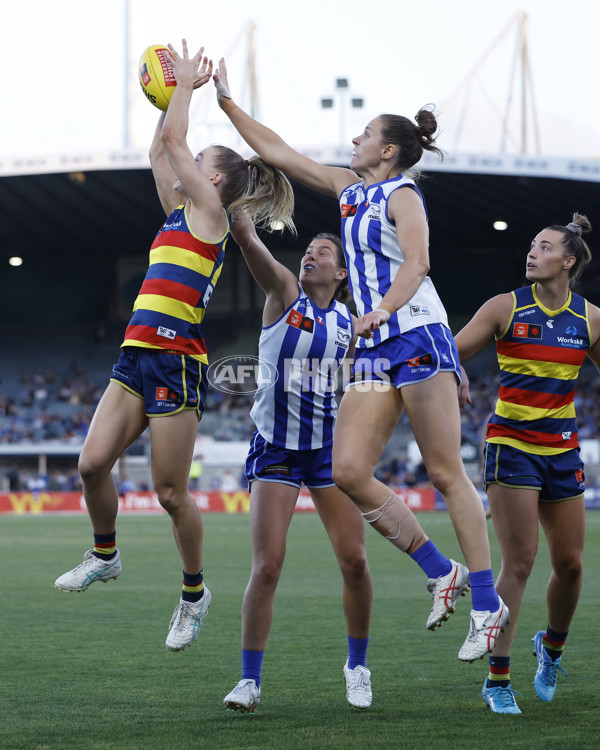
{"x":64,"y":310}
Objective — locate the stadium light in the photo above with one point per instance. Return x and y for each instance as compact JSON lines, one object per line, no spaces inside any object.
{"x":342,"y":86}
{"x":500,"y":225}
{"x":15,"y":261}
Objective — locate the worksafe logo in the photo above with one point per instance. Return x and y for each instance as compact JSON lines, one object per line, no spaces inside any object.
{"x":243,"y":374}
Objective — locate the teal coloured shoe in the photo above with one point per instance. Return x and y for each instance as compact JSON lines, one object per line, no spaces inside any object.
{"x":501,"y":699}
{"x":545,"y":677}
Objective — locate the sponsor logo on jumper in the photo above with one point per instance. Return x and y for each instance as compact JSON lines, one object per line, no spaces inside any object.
{"x":571,"y":331}
{"x":566,"y":435}
{"x":348,"y":210}
{"x":527,"y":331}
{"x":320,"y":320}
{"x":573,"y":342}
{"x":550,"y":323}
{"x":173,"y":225}
{"x":527,"y":312}
{"x":375,"y":212}
{"x":167,"y":333}
{"x":342,"y":337}
{"x":300,"y":321}
{"x":419,"y":310}
{"x":294,"y":319}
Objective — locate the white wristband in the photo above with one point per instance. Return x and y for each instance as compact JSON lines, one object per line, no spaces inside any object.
{"x":222,"y":90}
{"x":387,"y":312}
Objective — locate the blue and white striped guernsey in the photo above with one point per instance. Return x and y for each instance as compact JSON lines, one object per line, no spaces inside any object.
{"x":307,"y":346}
{"x":374,"y":257}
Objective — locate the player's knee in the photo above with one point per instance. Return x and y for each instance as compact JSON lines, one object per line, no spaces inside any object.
{"x":348,"y":475}
{"x":520,"y":565}
{"x":354,"y":566}
{"x":92,"y":467}
{"x":170,"y":496}
{"x":266,"y":572}
{"x":442,"y":478}
{"x":570,"y":568}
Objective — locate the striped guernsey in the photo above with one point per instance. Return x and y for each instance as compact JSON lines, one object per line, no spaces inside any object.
{"x":539,"y":353}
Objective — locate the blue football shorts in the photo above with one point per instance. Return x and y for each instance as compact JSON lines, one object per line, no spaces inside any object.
{"x":411,"y":357}
{"x":558,"y":477}
{"x":167,"y":381}
{"x":269,"y":463}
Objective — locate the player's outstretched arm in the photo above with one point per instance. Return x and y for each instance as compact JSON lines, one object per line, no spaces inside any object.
{"x":206,"y":213}
{"x":164,"y":176}
{"x":274,"y":150}
{"x":278,"y":282}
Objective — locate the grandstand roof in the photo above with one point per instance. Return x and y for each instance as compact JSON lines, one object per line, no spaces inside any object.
{"x":73,"y":217}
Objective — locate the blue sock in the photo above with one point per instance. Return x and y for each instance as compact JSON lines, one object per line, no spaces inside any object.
{"x":431,"y":561}
{"x":252,"y":665}
{"x":357,"y":652}
{"x":483,"y":593}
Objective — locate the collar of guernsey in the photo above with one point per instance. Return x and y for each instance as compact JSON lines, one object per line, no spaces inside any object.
{"x":540,"y":353}
{"x":182,"y":273}
{"x":374,"y":258}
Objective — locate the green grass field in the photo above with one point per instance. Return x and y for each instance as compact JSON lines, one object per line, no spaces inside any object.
{"x":91,"y":670}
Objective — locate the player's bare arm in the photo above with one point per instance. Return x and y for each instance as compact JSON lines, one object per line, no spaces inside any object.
{"x":278,"y":282}
{"x":164,"y":176}
{"x":275,"y":151}
{"x":406,"y":210}
{"x":206,"y":216}
{"x":488,"y":322}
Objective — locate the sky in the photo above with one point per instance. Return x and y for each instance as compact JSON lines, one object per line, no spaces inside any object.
{"x":70,"y":72}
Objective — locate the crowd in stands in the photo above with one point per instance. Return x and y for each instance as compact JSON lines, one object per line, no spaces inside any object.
{"x":45,"y":408}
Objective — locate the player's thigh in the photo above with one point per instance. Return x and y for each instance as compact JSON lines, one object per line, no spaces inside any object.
{"x":515,"y":518}
{"x":119,"y":419}
{"x":173,"y":439}
{"x":272,"y":507}
{"x":365,"y":423}
{"x":564,"y":527}
{"x":434,"y":415}
{"x":342,"y":520}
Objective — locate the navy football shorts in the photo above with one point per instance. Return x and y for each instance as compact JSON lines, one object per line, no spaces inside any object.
{"x":269,"y":463}
{"x":557,"y":477}
{"x":167,"y":381}
{"x":411,"y":357}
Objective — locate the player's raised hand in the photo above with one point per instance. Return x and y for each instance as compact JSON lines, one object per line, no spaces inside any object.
{"x":221,"y":83}
{"x":196,"y":70}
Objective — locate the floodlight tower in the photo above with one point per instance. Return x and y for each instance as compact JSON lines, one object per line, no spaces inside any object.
{"x":342,"y":86}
